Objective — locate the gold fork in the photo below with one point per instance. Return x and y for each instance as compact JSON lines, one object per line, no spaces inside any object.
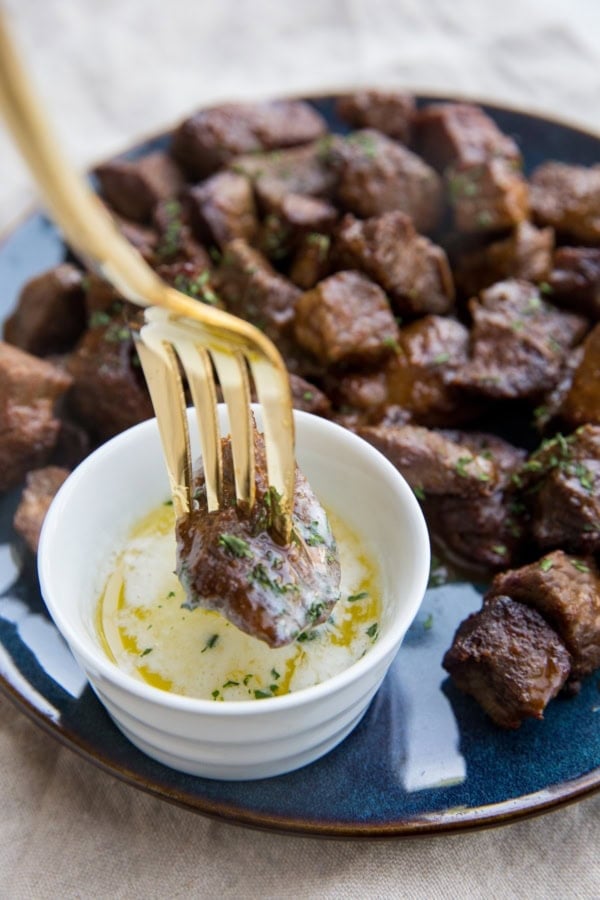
{"x":176,"y":327}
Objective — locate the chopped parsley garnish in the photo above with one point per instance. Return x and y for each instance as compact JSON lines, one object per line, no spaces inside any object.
{"x":440,"y":359}
{"x":545,"y":288}
{"x":262,"y":695}
{"x":461,"y":462}
{"x":315,"y":611}
{"x":419,"y":493}
{"x":170,"y":594}
{"x":168,"y":503}
{"x":372,"y":630}
{"x":392,"y":344}
{"x":307,"y":396}
{"x":307,"y":636}
{"x":210,"y":643}
{"x":428,"y":623}
{"x":229,"y":684}
{"x":275,"y":674}
{"x":146,"y":651}
{"x":362,"y":595}
{"x":579,"y":565}
{"x":546,"y":564}
{"x":99,"y":318}
{"x":235,"y":546}
{"x":500,"y":549}
{"x":216,"y":694}
{"x":246,"y":679}
{"x":314,"y":537}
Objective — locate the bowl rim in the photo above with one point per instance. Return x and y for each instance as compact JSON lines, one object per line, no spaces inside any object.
{"x":110,"y":671}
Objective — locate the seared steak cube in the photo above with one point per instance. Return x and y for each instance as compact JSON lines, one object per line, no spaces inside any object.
{"x":309,"y":398}
{"x":50,"y":314}
{"x":133,"y":188}
{"x":575,"y":280}
{"x":377,"y":175}
{"x":297,"y":170}
{"x":222,"y":208}
{"x":312,"y":260}
{"x":518,"y":342}
{"x":109,"y":393}
{"x":390,"y":112}
{"x":29,"y":389}
{"x":41,"y":486}
{"x":213,"y":137}
{"x":561,"y":484}
{"x":289,"y":218}
{"x":450,"y":133}
{"x":565,"y":590}
{"x":176,"y":242}
{"x":409,"y":267}
{"x":510,"y":660}
{"x":432,"y":463}
{"x":579,"y":396}
{"x":568,"y":198}
{"x":191,"y":278}
{"x":346,"y":318}
{"x":526,"y":253}
{"x":487,"y":196}
{"x":430,"y":350}
{"x":143,"y":237}
{"x":251,"y":289}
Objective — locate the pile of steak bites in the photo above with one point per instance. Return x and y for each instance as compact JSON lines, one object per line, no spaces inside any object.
{"x":419,"y":288}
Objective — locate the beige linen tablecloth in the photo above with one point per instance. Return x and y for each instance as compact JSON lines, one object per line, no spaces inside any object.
{"x":110,"y":71}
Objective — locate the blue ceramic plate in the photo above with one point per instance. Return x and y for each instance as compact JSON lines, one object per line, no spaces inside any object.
{"x":424,"y":759}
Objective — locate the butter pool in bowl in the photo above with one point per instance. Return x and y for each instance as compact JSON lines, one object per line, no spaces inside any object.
{"x":235,"y":731}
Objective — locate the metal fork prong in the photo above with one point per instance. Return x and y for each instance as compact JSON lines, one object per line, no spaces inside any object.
{"x":199,"y":373}
{"x":161,"y":371}
{"x":273,"y":390}
{"x":232,"y":372}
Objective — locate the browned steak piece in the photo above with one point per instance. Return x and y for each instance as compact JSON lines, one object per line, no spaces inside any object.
{"x":312,"y":260}
{"x":143,"y":237}
{"x":228,"y":561}
{"x":309,"y":398}
{"x":433,"y":463}
{"x":176,"y":241}
{"x":109,"y":393}
{"x":50,"y":315}
{"x":561,"y":485}
{"x":576,"y":399}
{"x":377,"y":175}
{"x":192,"y":278}
{"x":526,"y":253}
{"x":510,"y":660}
{"x":212,"y":137}
{"x":451,"y":133}
{"x":290,"y":218}
{"x":222,"y":208}
{"x":568,"y":198}
{"x":518,"y":342}
{"x":251,"y":289}
{"x":487,"y":196}
{"x":133,"y":187}
{"x":298,"y":170}
{"x":566,"y":591}
{"x":41,"y":485}
{"x":29,"y":389}
{"x":430,"y":350}
{"x":390,"y":112}
{"x":346,"y":318}
{"x":409,"y":267}
{"x":575,"y":279}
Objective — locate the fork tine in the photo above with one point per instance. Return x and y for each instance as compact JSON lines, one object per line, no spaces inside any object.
{"x":198,"y":369}
{"x":233,"y":377}
{"x":161,"y":371}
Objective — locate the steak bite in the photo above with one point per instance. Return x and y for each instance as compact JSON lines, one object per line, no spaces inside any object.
{"x":575,"y":280}
{"x":297,"y":170}
{"x":518,"y":342}
{"x":509,"y":659}
{"x":133,"y":187}
{"x":560,"y":483}
{"x":222,"y":209}
{"x":176,"y":242}
{"x":378,"y":175}
{"x":487,"y":196}
{"x":312,"y":260}
{"x":566,"y":592}
{"x":309,"y":398}
{"x":290,"y":218}
{"x":461,"y":133}
{"x":253,"y":290}
{"x":143,"y":237}
{"x":228,"y":561}
{"x":108,"y":393}
{"x":50,"y":315}
{"x":568,"y":198}
{"x":576,"y":399}
{"x":41,"y":486}
{"x":526,"y":253}
{"x":212,"y":137}
{"x":431,"y":462}
{"x":390,"y":112}
{"x":29,"y":390}
{"x":412,"y":270}
{"x":346,"y":319}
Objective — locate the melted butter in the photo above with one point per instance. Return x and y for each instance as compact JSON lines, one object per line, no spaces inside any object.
{"x":198,"y":653}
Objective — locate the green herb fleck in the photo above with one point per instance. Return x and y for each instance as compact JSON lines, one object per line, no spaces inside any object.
{"x":500,"y":549}
{"x":235,"y":546}
{"x":307,"y":396}
{"x":579,"y":565}
{"x":170,"y":594}
{"x":419,"y":492}
{"x":246,"y":679}
{"x":461,"y":462}
{"x":440,"y":359}
{"x":262,"y":695}
{"x":372,"y":630}
{"x":307,"y":636}
{"x":545,"y":288}
{"x":354,"y":598}
{"x":216,"y":694}
{"x":546,"y":564}
{"x":275,"y":674}
{"x":428,"y":623}
{"x":229,"y":684}
{"x":146,"y":651}
{"x":210,"y":643}
{"x":99,"y":318}
{"x":315,"y":611}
